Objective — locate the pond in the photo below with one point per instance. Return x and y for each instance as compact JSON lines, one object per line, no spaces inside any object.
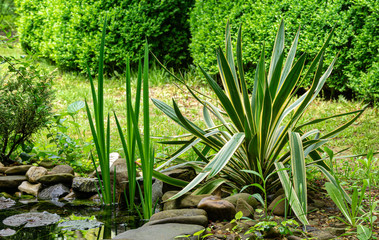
{"x":80,"y":219}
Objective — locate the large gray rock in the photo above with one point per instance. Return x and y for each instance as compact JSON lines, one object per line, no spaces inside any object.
{"x":218,"y":209}
{"x":86,"y":185}
{"x":245,"y":196}
{"x":54,"y":192}
{"x":34,"y":173}
{"x":17,"y":170}
{"x":56,"y":178}
{"x":185,"y":216}
{"x":30,"y":188}
{"x":185,"y":201}
{"x":166,"y":231}
{"x":62,"y":169}
{"x":12,"y":181}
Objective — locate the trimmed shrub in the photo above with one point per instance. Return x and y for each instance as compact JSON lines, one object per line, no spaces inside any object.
{"x":68,"y":32}
{"x":356,"y":35}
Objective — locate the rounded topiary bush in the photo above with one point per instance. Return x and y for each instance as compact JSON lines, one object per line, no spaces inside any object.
{"x":68,"y":32}
{"x":355,"y":38}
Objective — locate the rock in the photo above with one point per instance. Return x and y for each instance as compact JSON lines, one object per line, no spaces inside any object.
{"x":184,"y":173}
{"x":12,"y":181}
{"x":54,"y":192}
{"x":3,"y":169}
{"x":335,"y":231}
{"x":87,"y":185}
{"x":185,"y":216}
{"x":34,"y":173}
{"x":34,"y":219}
{"x":56,"y":178}
{"x":17,"y":170}
{"x":6,"y":203}
{"x":62,"y":169}
{"x":166,"y":231}
{"x":245,"y":208}
{"x":70,"y":197}
{"x":1,"y":165}
{"x":30,"y":188}
{"x":7,"y":232}
{"x":218,"y":209}
{"x":46,"y":164}
{"x":157,"y":192}
{"x":278,"y":193}
{"x":185,"y":201}
{"x":322,"y":235}
{"x":113,"y":157}
{"x":245,"y":196}
{"x":121,"y":173}
{"x":278,"y":205}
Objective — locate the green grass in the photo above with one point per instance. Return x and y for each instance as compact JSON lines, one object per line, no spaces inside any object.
{"x":70,"y":87}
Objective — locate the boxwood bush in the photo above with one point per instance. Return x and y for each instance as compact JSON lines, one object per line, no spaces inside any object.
{"x":68,"y":32}
{"x":356,"y":36}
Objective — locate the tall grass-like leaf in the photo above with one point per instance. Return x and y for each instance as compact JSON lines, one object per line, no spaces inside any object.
{"x":101,"y":136}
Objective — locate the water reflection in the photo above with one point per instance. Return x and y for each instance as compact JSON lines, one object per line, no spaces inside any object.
{"x":114,"y":220}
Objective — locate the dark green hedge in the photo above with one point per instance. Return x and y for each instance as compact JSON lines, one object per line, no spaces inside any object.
{"x":356,"y":35}
{"x":68,"y":32}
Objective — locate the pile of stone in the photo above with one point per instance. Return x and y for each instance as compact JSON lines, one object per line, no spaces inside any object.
{"x":53,"y":182}
{"x":45,"y":183}
{"x":189,"y":215}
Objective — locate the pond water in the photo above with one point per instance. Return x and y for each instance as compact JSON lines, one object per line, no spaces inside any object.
{"x":113,"y":220}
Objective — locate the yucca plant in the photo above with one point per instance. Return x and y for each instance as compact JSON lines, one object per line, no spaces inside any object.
{"x":254,"y":127}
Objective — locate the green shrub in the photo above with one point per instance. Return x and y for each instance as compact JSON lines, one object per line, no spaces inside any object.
{"x":68,"y":32}
{"x":25,"y":95}
{"x":356,"y":34}
{"x":7,"y":16}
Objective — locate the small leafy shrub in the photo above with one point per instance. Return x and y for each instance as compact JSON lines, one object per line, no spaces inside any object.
{"x":25,"y":103}
{"x":66,"y":31}
{"x":356,"y":36}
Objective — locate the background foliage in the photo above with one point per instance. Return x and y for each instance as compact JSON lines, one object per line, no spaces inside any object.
{"x":68,"y":32}
{"x":356,"y":36}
